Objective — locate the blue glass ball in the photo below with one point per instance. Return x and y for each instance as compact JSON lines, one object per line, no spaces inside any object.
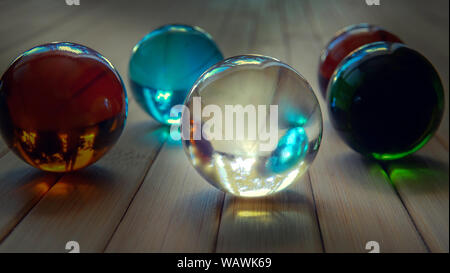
{"x":165,"y":64}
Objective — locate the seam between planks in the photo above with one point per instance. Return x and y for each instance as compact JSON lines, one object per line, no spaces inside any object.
{"x":288,"y":50}
{"x":441,"y":141}
{"x":284,"y":31}
{"x":172,"y":218}
{"x":252,"y":39}
{"x":223,"y":28}
{"x":147,"y":170}
{"x":318,"y":39}
{"x":4,"y":152}
{"x":44,"y":29}
{"x":310,"y":17}
{"x":230,"y":11}
{"x":322,"y":243}
{"x":251,"y":42}
{"x":59,"y":177}
{"x":385,"y":170}
{"x":216,"y":240}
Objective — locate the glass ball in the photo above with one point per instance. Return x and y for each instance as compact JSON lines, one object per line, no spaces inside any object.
{"x":385,"y":100}
{"x":62,"y":106}
{"x":346,"y":41}
{"x":246,"y":147}
{"x":165,"y":64}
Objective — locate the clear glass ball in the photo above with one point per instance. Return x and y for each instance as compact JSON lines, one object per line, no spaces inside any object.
{"x":251,"y":125}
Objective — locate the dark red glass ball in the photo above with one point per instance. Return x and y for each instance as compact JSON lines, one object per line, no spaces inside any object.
{"x":62,"y":106}
{"x":346,"y":41}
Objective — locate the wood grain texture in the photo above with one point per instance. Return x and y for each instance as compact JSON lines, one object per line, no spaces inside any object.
{"x":431,"y":205}
{"x":422,"y":183}
{"x":3,"y":149}
{"x":144,"y":196}
{"x":34,"y":18}
{"x":287,"y":221}
{"x":355,"y":201}
{"x":175,"y":209}
{"x":21,"y":187}
{"x":87,"y":206}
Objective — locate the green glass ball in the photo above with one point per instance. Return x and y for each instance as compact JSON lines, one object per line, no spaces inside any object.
{"x":385,"y":100}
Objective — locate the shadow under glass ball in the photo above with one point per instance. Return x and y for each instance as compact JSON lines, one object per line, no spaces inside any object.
{"x":385,"y":100}
{"x":165,"y":64}
{"x":62,"y":106}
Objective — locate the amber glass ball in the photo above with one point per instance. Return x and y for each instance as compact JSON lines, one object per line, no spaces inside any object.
{"x":62,"y":106}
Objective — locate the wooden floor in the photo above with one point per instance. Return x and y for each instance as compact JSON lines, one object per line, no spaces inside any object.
{"x":144,"y":196}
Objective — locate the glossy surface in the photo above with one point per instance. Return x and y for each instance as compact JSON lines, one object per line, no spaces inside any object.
{"x":62,"y":106}
{"x":165,"y":64}
{"x":385,"y":100}
{"x":240,"y":166}
{"x":346,"y":41}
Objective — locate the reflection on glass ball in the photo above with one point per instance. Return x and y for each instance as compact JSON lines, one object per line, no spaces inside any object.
{"x":62,"y":106}
{"x":385,"y":100}
{"x":344,"y":42}
{"x":165,"y":64}
{"x":259,"y":122}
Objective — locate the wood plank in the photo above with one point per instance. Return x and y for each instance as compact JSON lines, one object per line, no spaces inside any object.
{"x":36,"y":18}
{"x":354,"y":199}
{"x":21,"y":187}
{"x":62,"y":31}
{"x":13,"y":9}
{"x":3,"y":148}
{"x":356,"y":203}
{"x":175,"y":210}
{"x":422,"y":182}
{"x":285,"y":222}
{"x":87,"y":205}
{"x":428,"y":168}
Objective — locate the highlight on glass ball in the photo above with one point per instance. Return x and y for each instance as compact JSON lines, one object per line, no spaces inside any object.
{"x":251,"y":126}
{"x":62,"y":106}
{"x":165,"y":64}
{"x":386,"y":100}
{"x":346,"y":41}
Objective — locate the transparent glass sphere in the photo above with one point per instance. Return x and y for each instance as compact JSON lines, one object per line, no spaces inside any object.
{"x":251,"y":125}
